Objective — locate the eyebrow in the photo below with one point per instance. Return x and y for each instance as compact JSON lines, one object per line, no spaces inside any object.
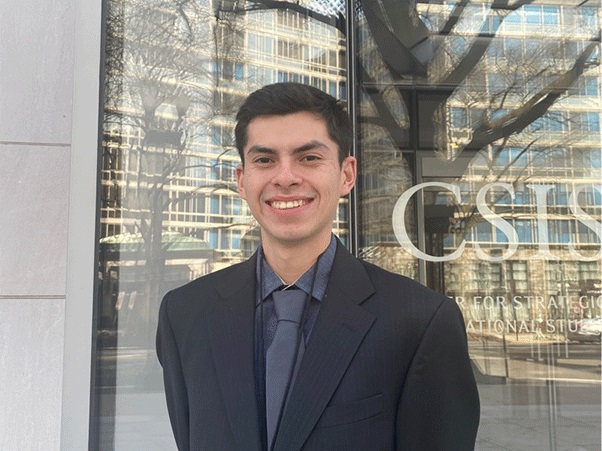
{"x":313,"y":144}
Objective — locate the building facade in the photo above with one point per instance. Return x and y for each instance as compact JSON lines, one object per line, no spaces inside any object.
{"x":477,"y":131}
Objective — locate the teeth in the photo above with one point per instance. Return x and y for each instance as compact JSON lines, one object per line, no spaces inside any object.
{"x":289,"y":204}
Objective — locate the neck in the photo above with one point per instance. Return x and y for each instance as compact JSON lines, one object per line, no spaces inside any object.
{"x":291,"y":262}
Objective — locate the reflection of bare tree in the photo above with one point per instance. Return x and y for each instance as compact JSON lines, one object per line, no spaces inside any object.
{"x":160,"y":100}
{"x":535,"y":107}
{"x":408,"y":49}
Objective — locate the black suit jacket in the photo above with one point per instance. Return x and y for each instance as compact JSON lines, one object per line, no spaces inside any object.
{"x":386,"y":366}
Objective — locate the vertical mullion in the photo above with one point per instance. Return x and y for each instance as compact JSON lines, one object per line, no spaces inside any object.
{"x":351,"y":64}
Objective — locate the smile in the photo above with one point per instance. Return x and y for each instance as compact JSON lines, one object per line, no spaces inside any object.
{"x":287,"y":205}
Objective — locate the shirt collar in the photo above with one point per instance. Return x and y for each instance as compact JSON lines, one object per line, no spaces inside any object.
{"x":271,"y":281}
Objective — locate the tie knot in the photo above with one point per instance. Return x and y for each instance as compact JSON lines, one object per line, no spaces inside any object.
{"x":289,"y":304}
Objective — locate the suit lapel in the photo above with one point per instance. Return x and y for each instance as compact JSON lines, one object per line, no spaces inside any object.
{"x":232,"y":344}
{"x":340,"y":328}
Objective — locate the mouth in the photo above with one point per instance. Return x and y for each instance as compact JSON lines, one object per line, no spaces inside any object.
{"x":282,"y":205}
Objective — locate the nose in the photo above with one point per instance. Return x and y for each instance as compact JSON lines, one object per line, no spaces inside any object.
{"x":286,"y":174}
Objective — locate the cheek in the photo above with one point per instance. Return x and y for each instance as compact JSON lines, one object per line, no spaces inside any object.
{"x":250,"y":191}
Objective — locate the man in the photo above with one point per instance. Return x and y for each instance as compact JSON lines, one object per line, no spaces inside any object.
{"x":379,"y":362}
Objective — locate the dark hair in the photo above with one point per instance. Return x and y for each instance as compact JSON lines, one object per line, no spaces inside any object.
{"x":281,"y":99}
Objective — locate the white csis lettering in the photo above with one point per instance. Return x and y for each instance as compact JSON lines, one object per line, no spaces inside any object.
{"x":540,"y":194}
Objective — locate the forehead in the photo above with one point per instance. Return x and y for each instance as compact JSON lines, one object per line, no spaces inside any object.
{"x":286,"y":130}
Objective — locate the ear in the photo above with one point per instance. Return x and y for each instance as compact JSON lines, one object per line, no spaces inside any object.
{"x":348,"y":175}
{"x":239,"y":181}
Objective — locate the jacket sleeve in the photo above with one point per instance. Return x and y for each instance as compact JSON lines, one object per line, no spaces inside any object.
{"x":173,"y":378}
{"x":439,"y":405}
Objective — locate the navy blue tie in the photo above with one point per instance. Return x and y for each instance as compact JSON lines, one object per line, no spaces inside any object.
{"x":282,"y":354}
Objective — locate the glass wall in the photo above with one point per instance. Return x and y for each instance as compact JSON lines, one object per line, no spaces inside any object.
{"x":480,"y":163}
{"x":174,"y":76}
{"x":477,"y":130}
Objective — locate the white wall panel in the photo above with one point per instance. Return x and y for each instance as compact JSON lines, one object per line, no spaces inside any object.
{"x":36,"y":70}
{"x":34,"y":184}
{"x":31,"y":367}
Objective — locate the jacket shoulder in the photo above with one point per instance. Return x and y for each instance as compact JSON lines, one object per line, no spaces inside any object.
{"x":408,"y":297}
{"x":386,"y":280}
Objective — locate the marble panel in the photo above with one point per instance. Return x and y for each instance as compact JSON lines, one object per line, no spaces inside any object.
{"x":31,"y":369}
{"x":36,"y":71}
{"x":34,"y":191}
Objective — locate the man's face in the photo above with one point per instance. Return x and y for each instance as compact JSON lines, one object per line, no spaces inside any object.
{"x":292,"y":179}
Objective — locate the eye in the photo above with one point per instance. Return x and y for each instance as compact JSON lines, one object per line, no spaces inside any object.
{"x":262,"y":160}
{"x":311,"y":158}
